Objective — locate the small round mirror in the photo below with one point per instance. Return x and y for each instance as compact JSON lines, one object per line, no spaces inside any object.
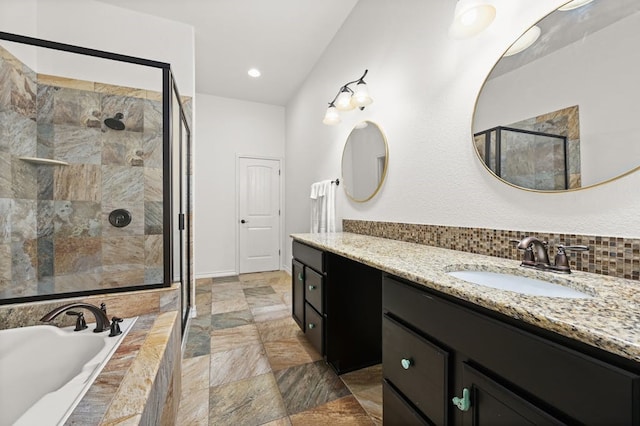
{"x":364,"y":161}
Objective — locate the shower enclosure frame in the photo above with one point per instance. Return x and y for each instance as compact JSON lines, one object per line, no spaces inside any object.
{"x":497,"y":163}
{"x":169,"y":89}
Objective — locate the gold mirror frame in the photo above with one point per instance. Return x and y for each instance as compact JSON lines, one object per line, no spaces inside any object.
{"x":488,"y":168}
{"x":373,"y":164}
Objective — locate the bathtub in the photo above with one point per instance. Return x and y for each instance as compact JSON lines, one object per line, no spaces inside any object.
{"x":45,"y":370}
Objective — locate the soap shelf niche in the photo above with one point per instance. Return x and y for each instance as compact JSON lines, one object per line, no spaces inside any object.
{"x":36,"y":160}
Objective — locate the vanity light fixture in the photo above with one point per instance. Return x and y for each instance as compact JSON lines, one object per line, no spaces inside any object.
{"x":471,"y":17}
{"x":348,"y":99}
{"x":574,"y":5}
{"x":254,"y":72}
{"x":525,"y":41}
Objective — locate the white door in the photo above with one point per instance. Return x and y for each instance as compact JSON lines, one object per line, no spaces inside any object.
{"x":259,"y":214}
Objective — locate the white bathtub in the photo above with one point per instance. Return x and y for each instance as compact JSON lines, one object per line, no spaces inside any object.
{"x":45,"y":370}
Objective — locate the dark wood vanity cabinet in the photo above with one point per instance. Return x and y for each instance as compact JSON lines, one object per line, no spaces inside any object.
{"x":337,"y":303}
{"x":435,"y":347}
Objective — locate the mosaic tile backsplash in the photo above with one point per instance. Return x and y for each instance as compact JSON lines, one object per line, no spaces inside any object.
{"x":55,"y":235}
{"x":614,"y":256}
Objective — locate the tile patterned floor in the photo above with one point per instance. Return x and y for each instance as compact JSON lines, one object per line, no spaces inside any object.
{"x":246,"y":362}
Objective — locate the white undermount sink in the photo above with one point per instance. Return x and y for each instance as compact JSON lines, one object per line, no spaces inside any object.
{"x":519,"y":284}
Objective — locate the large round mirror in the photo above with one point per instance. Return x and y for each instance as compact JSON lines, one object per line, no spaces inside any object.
{"x":561,"y":114}
{"x":364,"y":161}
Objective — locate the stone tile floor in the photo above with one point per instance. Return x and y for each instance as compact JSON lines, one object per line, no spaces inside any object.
{"x":247,"y":362}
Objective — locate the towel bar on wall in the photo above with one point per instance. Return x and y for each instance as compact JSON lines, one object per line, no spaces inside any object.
{"x":337,"y":182}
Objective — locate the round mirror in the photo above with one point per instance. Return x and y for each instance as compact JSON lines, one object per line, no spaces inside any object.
{"x":558,"y":111}
{"x":364,"y":161}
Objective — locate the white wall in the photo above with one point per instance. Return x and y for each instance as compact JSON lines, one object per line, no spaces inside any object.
{"x":424,"y":86}
{"x":227,"y":128}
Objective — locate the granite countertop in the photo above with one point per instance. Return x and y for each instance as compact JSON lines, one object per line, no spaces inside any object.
{"x":608,"y":320}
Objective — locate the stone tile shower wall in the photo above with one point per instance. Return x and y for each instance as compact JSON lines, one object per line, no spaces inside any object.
{"x":54,"y":219}
{"x":615,"y":256}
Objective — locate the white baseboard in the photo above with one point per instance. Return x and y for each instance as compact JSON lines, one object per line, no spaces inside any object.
{"x":218,"y":274}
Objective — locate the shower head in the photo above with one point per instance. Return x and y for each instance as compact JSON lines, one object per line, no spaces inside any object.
{"x":115,"y":123}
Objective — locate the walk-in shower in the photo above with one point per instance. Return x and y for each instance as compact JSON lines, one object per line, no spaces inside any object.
{"x":103,"y":134}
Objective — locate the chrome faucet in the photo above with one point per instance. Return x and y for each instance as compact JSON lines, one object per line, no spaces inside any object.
{"x":102,"y":321}
{"x":539,"y":258}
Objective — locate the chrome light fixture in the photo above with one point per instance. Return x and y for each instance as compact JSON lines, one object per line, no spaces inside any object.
{"x":471,"y":17}
{"x":348,"y":99}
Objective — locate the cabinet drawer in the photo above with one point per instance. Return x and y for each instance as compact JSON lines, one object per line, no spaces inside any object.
{"x":309,"y":256}
{"x":313,"y":289}
{"x":314,"y":329}
{"x":417,"y":368}
{"x":397,"y":412}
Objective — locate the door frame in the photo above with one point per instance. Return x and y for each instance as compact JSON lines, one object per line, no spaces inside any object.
{"x":237,"y":204}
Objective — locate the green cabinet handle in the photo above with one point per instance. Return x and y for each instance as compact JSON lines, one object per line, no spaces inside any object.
{"x":311,"y":326}
{"x":406,"y":363}
{"x":300,"y":277}
{"x":463,"y":403}
{"x":312,"y":287}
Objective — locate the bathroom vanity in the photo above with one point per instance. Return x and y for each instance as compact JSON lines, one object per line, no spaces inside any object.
{"x":337,"y":303}
{"x":454,"y":352}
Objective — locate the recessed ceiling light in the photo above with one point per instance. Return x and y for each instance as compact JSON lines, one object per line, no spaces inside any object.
{"x":254,"y":72}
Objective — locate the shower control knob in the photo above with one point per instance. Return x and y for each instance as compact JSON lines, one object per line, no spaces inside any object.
{"x":120,"y":218}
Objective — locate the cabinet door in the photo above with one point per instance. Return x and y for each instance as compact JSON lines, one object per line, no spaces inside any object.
{"x":297,"y":293}
{"x":494,"y":405}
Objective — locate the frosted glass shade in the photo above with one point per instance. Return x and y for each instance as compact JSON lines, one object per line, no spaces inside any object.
{"x":471,"y":17}
{"x":525,"y":41}
{"x":574,"y":5}
{"x":343,"y":102}
{"x":360,"y":97}
{"x":332,"y":116}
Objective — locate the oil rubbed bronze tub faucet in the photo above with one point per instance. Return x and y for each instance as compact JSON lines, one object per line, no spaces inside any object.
{"x":536,"y":255}
{"x":102,"y":321}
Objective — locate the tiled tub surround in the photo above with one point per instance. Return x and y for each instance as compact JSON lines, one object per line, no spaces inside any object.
{"x":141,"y":382}
{"x":613,"y":256}
{"x":55,"y":235}
{"x":607,"y":321}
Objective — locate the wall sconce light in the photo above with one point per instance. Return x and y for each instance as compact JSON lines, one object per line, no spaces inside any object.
{"x":348,"y":99}
{"x":471,"y":17}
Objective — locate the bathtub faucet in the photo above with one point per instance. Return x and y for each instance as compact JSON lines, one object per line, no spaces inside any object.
{"x":102,"y":321}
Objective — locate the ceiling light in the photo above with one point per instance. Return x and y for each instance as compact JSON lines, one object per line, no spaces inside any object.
{"x":574,"y":5}
{"x":254,"y":72}
{"x":348,"y":99}
{"x":471,"y":17}
{"x":525,"y":41}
